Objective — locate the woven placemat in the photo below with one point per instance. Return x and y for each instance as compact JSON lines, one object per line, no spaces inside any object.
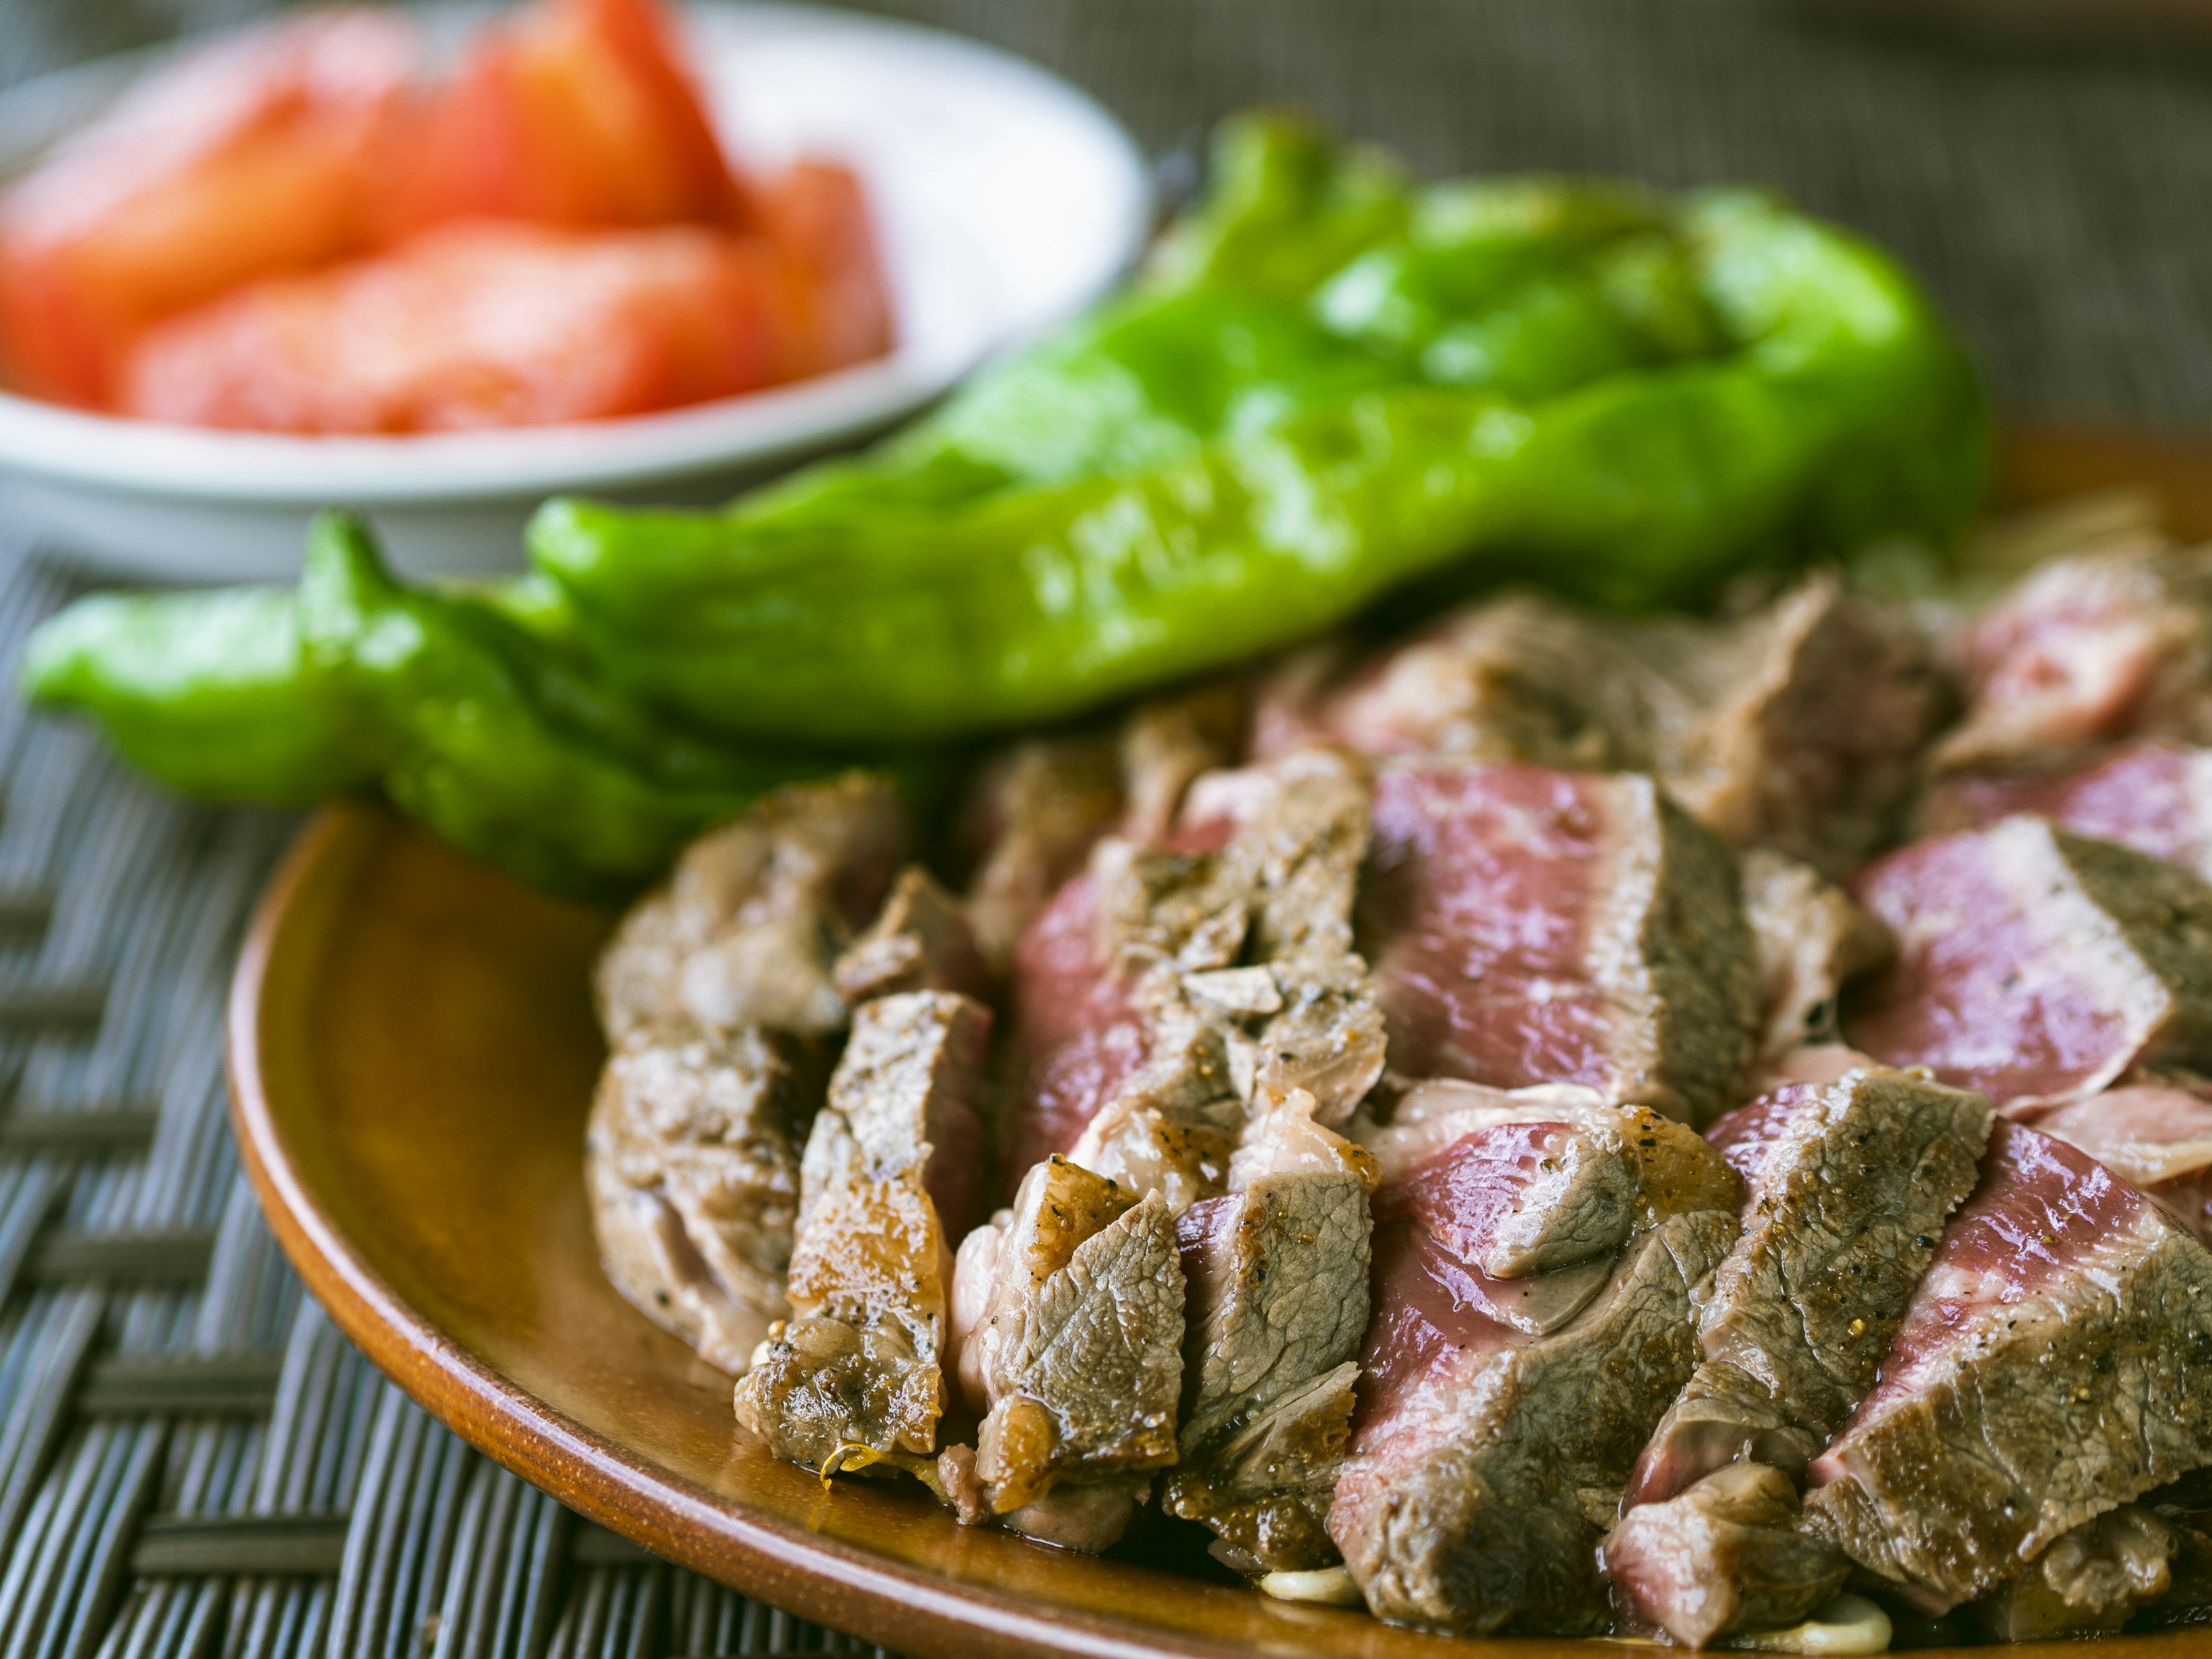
{"x":192,"y":1461}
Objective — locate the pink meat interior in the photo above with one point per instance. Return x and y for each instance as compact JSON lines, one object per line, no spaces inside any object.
{"x":1478,"y":906}
{"x":2040,"y":1210}
{"x":1988,"y":990}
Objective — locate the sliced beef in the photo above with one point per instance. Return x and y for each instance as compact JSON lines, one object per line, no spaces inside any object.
{"x":1169,"y":742}
{"x":2154,"y":1133}
{"x":1725,"y":1554}
{"x":1077,"y":1035}
{"x":2154,"y":796}
{"x":1486,"y":1459}
{"x":2034,"y":963}
{"x":1075,"y":1357}
{"x":918,"y":941}
{"x":1810,"y":938}
{"x":1030,"y":820}
{"x":1275,"y":1275}
{"x":2052,"y":1364}
{"x":1533,"y":1254}
{"x":1524,"y":1182}
{"x":1810,"y":716}
{"x":1039,"y":806}
{"x":747,"y":925}
{"x":1796,"y":729}
{"x":2088,"y":1583}
{"x":1848,"y":1185}
{"x":2088,"y":651}
{"x":1522,"y":677}
{"x":889,"y":1164}
{"x":1170,"y":987}
{"x":691,"y":1164}
{"x":1529,"y":926}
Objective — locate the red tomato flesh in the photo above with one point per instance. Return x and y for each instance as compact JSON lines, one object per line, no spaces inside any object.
{"x":578,"y":112}
{"x":244,"y":157}
{"x":486,"y":324}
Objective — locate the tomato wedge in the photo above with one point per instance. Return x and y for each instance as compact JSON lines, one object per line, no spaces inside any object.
{"x":816,"y":214}
{"x":578,"y":114}
{"x":244,"y":157}
{"x":482,"y":324}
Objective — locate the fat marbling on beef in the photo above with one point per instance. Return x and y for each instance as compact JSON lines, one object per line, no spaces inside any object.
{"x":890,"y":1166}
{"x":1534,"y":1253}
{"x":1530,"y":926}
{"x":2033,"y":964}
{"x":1794,"y":728}
{"x":2055,"y":1363}
{"x":1847,"y":1185}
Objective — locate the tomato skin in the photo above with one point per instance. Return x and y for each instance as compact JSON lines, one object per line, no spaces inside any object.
{"x":577,"y":113}
{"x":480,"y":324}
{"x":247,"y":156}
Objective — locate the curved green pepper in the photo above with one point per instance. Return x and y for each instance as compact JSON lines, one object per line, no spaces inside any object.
{"x":465,"y":707}
{"x":203,"y":691}
{"x":1623,"y":398}
{"x":480,"y":729}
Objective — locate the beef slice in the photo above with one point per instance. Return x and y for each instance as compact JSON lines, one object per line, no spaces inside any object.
{"x":1076,"y":1355}
{"x":746,"y":928}
{"x":1529,"y":926}
{"x":1725,"y":1554}
{"x":1172,"y":987}
{"x":2033,"y":964}
{"x":1849,"y":1185}
{"x":2051,"y":1367}
{"x":2154,"y":796}
{"x":1809,"y":717}
{"x":1521,"y":1182}
{"x":2088,"y":1583}
{"x":691,"y":1164}
{"x":2153,"y":1131}
{"x":1810,"y":938}
{"x":860,"y":1361}
{"x":1796,"y":728}
{"x":1033,"y":814}
{"x":1275,"y":1273}
{"x":1487,"y":1460}
{"x":920,"y":940}
{"x":2088,"y":651}
{"x":1038,"y":806}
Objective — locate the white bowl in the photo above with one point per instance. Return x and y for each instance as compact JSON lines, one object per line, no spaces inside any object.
{"x":1006,"y":200}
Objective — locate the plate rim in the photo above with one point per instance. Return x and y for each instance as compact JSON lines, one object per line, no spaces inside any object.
{"x":869,"y":1595}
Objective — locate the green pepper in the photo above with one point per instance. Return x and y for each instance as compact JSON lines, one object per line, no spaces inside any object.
{"x":1627,"y":398}
{"x":482,"y":730}
{"x":203,"y":691}
{"x":468,"y":708}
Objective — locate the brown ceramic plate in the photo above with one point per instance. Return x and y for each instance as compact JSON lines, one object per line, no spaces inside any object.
{"x":413,"y":1055}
